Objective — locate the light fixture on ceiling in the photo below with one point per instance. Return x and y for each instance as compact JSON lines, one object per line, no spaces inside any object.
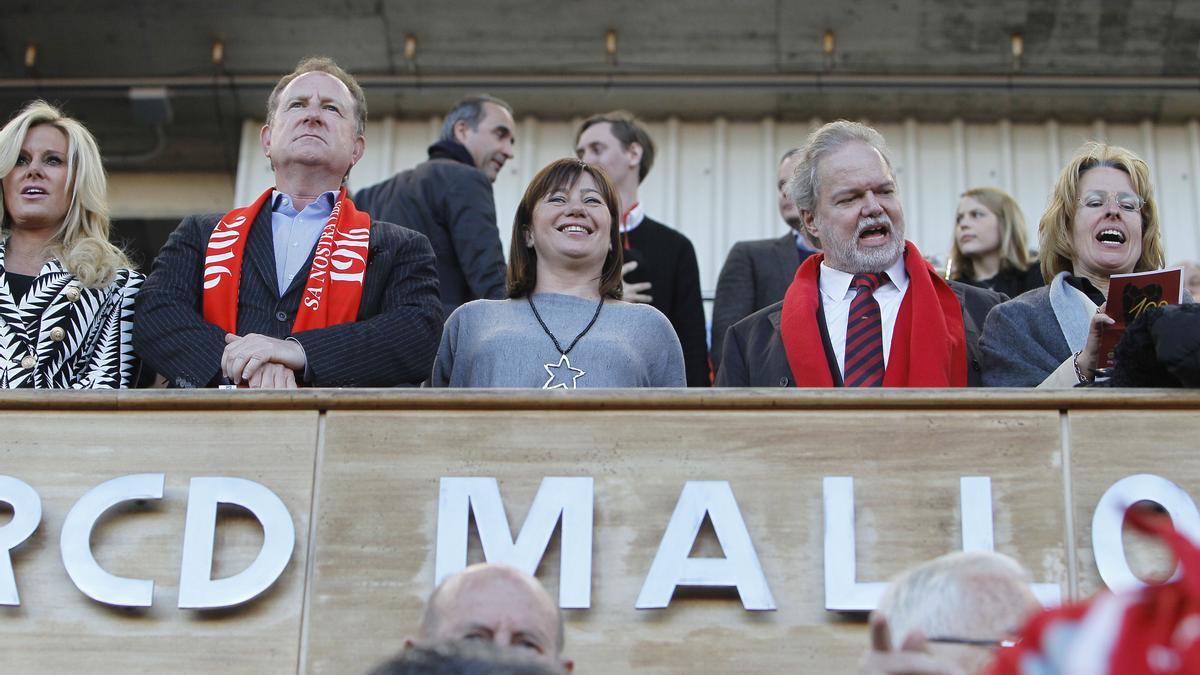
{"x":410,"y":47}
{"x":218,"y":52}
{"x":30,"y":55}
{"x":828,"y":43}
{"x":610,"y":47}
{"x":1017,"y":42}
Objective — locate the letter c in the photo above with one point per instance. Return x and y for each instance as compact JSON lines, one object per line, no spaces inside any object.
{"x":75,"y":543}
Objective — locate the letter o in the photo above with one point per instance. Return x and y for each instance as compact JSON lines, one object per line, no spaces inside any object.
{"x":1109,"y":519}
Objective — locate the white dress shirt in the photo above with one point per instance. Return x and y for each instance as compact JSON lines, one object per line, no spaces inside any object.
{"x":836,"y":296}
{"x":634,"y":218}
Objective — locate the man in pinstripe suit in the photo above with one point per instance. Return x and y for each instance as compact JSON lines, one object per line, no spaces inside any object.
{"x":219,"y":310}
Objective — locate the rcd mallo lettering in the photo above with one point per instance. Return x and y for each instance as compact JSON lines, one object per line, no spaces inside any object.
{"x":565,"y":502}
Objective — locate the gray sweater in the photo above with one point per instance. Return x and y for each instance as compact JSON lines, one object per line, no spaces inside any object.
{"x":498,"y":343}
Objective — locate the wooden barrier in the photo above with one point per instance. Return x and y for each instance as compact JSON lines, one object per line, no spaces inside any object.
{"x":359,"y":473}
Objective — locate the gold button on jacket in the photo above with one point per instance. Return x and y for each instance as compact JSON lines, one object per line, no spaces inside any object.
{"x":28,"y":362}
{"x":57,"y":334}
{"x":72,"y":293}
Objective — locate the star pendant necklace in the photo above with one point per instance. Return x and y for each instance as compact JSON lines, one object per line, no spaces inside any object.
{"x":552,"y":369}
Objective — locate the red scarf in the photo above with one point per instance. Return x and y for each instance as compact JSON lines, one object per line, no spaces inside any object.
{"x":333,"y":290}
{"x":1155,"y":619}
{"x":929,"y":346}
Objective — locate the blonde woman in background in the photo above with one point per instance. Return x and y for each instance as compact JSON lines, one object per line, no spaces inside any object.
{"x":66,"y":292}
{"x":1102,"y":220}
{"x":989,"y":244}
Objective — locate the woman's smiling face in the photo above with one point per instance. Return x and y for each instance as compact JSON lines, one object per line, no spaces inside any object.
{"x":571,"y":224}
{"x":1107,"y":230}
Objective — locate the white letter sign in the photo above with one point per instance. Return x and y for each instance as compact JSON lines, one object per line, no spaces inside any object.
{"x":567,"y":498}
{"x":197,"y":588}
{"x":672,"y":567}
{"x":27,"y":513}
{"x":75,"y":542}
{"x":1109,"y":520}
{"x":843,"y":593}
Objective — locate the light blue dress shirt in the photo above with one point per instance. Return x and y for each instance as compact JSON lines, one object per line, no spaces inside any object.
{"x":295,"y":233}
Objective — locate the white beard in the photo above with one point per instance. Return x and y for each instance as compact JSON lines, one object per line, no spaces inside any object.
{"x":857,"y":260}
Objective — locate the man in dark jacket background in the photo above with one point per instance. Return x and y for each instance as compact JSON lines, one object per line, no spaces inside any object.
{"x":448,"y":198}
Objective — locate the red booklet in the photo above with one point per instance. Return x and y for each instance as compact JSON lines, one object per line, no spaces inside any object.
{"x":1131,"y":294}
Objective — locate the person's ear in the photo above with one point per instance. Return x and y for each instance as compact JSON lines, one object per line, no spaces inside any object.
{"x":528,"y":237}
{"x":360,"y":147}
{"x":264,"y":139}
{"x":635,"y":151}
{"x":810,"y":223}
{"x":460,"y":131}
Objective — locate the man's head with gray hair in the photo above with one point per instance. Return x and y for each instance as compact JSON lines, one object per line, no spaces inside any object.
{"x":822,"y":142}
{"x":848,"y":198}
{"x":484,"y":126}
{"x":500,"y":604}
{"x":960,"y":596}
{"x":787,"y":206}
{"x":469,"y":110}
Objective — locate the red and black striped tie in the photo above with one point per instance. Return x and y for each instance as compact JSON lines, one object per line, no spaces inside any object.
{"x":864,"y":334}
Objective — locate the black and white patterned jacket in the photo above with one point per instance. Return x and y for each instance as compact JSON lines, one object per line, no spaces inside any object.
{"x":64,"y":336}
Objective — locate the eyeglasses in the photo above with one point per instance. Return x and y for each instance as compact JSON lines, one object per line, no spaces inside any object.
{"x":1127,"y":202}
{"x":993,"y":644}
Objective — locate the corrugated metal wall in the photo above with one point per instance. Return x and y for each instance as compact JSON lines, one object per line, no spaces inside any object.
{"x":715,"y":180}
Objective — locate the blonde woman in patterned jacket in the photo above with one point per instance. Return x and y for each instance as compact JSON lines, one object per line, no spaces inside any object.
{"x":66,"y":293}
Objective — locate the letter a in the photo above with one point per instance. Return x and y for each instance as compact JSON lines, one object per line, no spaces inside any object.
{"x":672,"y":567}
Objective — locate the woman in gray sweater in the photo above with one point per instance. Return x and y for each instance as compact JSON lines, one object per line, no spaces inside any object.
{"x":564,"y":325}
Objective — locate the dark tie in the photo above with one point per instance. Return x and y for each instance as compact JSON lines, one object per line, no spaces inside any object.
{"x":864,"y":334}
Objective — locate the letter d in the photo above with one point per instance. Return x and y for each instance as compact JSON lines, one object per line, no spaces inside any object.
{"x":197,"y":588}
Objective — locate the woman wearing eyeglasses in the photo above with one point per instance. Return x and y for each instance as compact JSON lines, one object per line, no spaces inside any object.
{"x":1102,"y":220}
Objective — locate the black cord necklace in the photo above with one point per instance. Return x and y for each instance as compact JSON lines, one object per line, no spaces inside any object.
{"x":552,"y":368}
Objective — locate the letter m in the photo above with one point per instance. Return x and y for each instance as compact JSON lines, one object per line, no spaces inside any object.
{"x":568,"y":499}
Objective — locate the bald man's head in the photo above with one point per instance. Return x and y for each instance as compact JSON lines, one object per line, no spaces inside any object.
{"x":498,"y":604}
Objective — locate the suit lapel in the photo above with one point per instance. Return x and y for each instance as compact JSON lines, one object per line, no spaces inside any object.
{"x":830,"y":356}
{"x":260,"y":251}
{"x":971,"y":335}
{"x":827,"y":344}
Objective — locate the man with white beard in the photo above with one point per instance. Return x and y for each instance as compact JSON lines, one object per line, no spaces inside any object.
{"x":869,"y":311}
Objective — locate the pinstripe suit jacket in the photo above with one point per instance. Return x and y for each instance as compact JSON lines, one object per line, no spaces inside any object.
{"x":392,"y":343}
